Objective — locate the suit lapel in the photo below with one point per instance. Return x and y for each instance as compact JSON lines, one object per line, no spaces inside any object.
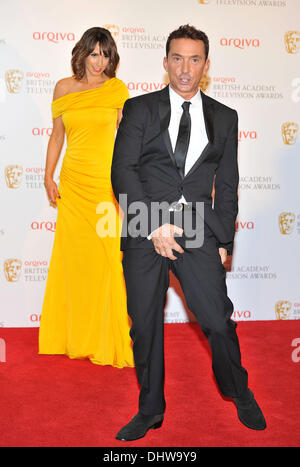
{"x":209,"y":126}
{"x":208,"y":117}
{"x":164,"y":109}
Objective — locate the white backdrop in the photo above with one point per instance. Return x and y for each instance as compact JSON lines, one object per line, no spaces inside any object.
{"x":255,"y":68}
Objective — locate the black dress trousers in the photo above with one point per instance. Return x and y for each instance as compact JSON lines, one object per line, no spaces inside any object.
{"x":202,"y":278}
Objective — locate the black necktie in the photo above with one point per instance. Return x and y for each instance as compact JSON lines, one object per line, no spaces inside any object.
{"x":183,"y":138}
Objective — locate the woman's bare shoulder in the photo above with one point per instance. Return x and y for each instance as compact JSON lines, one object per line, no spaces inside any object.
{"x":64,"y":86}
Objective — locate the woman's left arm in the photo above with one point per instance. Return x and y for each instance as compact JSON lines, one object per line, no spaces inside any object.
{"x":120,"y":114}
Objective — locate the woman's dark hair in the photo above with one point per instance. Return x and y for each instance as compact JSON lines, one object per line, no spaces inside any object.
{"x":87,"y":44}
{"x":188,"y":32}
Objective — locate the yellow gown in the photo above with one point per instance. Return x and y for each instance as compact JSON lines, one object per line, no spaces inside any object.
{"x":84,"y":313}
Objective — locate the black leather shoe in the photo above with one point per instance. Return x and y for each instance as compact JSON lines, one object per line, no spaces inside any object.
{"x":139,"y":426}
{"x":249,"y":411}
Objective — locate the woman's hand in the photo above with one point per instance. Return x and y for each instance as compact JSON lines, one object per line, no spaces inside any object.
{"x":51,"y":189}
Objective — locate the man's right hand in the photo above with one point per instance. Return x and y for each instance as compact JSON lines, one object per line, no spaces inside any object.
{"x":164,"y":242}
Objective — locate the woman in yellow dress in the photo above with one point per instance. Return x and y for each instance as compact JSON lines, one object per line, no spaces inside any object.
{"x":84,"y":312}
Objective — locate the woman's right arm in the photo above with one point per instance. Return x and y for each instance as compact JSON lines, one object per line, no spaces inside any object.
{"x":55,"y":145}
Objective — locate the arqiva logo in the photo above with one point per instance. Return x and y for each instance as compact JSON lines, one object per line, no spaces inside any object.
{"x":246,"y":314}
{"x":54,"y":37}
{"x":48,"y":225}
{"x":239,"y":43}
{"x":41,"y":131}
{"x":145,"y":86}
{"x":244,"y":225}
{"x":247,"y":135}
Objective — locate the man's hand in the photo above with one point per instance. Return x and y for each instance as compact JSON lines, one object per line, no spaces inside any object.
{"x":223,"y":254}
{"x":164,"y":242}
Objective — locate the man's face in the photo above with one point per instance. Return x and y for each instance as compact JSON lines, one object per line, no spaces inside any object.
{"x":185,"y":66}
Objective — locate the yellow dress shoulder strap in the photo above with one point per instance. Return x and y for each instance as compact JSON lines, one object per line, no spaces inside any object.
{"x":112,"y":94}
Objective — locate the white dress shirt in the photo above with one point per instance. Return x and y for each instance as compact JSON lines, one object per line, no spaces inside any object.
{"x":198,"y":138}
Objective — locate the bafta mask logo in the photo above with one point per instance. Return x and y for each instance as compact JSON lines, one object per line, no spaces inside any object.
{"x":292,"y":41}
{"x":204,"y":82}
{"x":286,"y":222}
{"x":14,"y":79}
{"x":114,"y":30}
{"x":289,"y":132}
{"x":283,"y":309}
{"x":12,"y":269}
{"x":13,"y":176}
{"x":204,"y":2}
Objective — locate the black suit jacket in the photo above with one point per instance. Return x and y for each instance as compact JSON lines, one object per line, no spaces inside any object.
{"x":143,"y":165}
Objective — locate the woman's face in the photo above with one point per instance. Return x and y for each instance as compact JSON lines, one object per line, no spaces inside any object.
{"x":96,"y":62}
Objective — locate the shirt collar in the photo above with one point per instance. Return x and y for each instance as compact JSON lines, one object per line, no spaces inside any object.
{"x":177,"y":100}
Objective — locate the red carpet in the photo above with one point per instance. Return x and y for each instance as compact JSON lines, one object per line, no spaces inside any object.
{"x":55,"y":401}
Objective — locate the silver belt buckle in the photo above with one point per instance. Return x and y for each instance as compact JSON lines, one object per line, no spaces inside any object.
{"x":177,"y":207}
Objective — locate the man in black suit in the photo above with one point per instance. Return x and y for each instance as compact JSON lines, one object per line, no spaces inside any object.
{"x":173,"y":146}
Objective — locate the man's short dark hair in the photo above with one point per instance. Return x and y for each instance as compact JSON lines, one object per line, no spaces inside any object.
{"x":188,"y":32}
